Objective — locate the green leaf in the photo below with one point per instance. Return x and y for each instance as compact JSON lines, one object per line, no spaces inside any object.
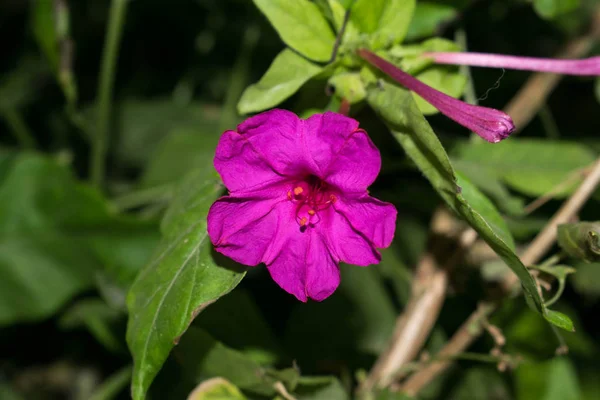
{"x":491,"y":185}
{"x":288,"y":72}
{"x":201,"y":356}
{"x":580,"y":240}
{"x":39,"y":274}
{"x":412,"y":131}
{"x":551,"y":9}
{"x":531,"y":166}
{"x":216,"y":389}
{"x":183,"y":150}
{"x":141,"y":126}
{"x":45,"y":219}
{"x":320,"y":388}
{"x":181,"y":279}
{"x":428,"y":17}
{"x":559,"y":319}
{"x":387,"y":21}
{"x":552,"y":380}
{"x":301,"y":26}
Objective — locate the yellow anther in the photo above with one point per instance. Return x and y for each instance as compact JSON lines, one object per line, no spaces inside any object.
{"x":303,"y":221}
{"x":298,"y":190}
{"x":311,"y":212}
{"x":289,"y":194}
{"x":332,"y":198}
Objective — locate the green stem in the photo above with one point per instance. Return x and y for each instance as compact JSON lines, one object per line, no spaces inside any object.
{"x":105,"y":89}
{"x":18,"y":127}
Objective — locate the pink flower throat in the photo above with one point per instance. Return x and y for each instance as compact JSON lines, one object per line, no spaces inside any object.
{"x":311,"y":195}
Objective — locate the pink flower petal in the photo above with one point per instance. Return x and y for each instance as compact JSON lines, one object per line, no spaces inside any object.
{"x":305,"y":267}
{"x":344,"y":154}
{"x":349,"y":245}
{"x":278,"y":136}
{"x":373,"y":218}
{"x":243,"y":228}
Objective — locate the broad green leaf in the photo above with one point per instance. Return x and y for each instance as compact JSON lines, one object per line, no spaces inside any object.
{"x":141,"y":125}
{"x":301,"y":26}
{"x":216,"y":389}
{"x":387,"y":21}
{"x":428,"y":17}
{"x":39,"y":274}
{"x":491,"y":185}
{"x":183,"y":150}
{"x":201,"y":356}
{"x":412,"y":131}
{"x":98,"y":318}
{"x":288,"y":72}
{"x":181,"y":279}
{"x":531,"y":166}
{"x":45,"y":220}
{"x":580,"y":240}
{"x":338,"y":13}
{"x":551,"y":9}
{"x":320,"y":388}
{"x":551,"y":380}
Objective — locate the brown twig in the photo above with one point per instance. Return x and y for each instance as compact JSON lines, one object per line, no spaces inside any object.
{"x":532,"y":96}
{"x":421,"y":313}
{"x":570,"y":179}
{"x":472,"y":328}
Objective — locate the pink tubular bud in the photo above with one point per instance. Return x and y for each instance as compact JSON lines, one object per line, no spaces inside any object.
{"x":584,"y":67}
{"x":491,"y":124}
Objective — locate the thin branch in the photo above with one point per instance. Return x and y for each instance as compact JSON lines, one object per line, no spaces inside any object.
{"x":420,"y":314}
{"x":472,"y":328}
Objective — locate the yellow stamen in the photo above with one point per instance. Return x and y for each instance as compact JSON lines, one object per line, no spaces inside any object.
{"x":298,"y":190}
{"x":311,"y":212}
{"x":303,"y":221}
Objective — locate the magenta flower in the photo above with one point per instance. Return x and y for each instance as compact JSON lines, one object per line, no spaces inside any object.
{"x":491,"y":124}
{"x":585,"y":67}
{"x":298,"y":199}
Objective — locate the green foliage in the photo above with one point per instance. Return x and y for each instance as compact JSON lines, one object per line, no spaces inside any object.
{"x":550,"y":9}
{"x":420,"y":143}
{"x":181,"y":265}
{"x":284,"y":77}
{"x":114,"y":290}
{"x":301,"y":26}
{"x":534,"y":167}
{"x":552,"y":380}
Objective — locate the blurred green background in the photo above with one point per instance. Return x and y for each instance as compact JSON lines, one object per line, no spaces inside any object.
{"x":69,"y":251}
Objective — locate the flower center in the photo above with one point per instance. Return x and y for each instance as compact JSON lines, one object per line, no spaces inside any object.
{"x":311,"y":196}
